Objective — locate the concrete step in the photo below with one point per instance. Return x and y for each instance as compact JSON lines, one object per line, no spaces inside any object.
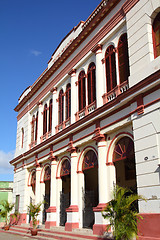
{"x":58,"y":233}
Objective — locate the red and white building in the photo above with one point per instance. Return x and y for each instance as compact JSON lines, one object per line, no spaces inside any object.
{"x":92,"y":120}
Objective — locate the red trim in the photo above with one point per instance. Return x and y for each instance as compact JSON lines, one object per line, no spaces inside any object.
{"x":104,"y":108}
{"x":30,"y":177}
{"x":49,"y":224}
{"x":100,"y":207}
{"x":89,"y":148}
{"x":43,"y":171}
{"x":60,"y":162}
{"x":70,"y":226}
{"x":99,"y":229}
{"x":72,"y":208}
{"x":121,"y":133}
{"x":140,"y":105}
{"x":51,"y":209}
{"x":149,"y":226}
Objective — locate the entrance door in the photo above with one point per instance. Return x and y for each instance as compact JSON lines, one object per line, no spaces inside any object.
{"x":65,"y":193}
{"x":90,"y":195}
{"x":47,"y":177}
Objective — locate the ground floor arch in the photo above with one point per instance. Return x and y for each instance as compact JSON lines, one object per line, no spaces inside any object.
{"x":46,"y":197}
{"x":124,"y":162}
{"x":65,"y":192}
{"x":90,"y":192}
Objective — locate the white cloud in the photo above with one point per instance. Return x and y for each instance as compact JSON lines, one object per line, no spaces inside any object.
{"x":5,"y":166}
{"x":36,"y":53}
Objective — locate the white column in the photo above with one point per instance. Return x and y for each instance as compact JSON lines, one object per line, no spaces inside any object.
{"x":54,"y":111}
{"x":103,"y":183}
{"x":40,"y":123}
{"x":58,"y":191}
{"x":100,"y":83}
{"x":117,"y":67}
{"x":74,"y":95}
{"x":52,"y":211}
{"x":38,"y":195}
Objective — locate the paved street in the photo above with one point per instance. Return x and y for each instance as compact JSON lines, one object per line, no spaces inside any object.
{"x":8,"y":236}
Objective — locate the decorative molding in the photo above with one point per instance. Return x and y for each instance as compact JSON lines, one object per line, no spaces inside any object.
{"x":71,"y":149}
{"x":98,"y":137}
{"x":97,"y":49}
{"x":72,"y":72}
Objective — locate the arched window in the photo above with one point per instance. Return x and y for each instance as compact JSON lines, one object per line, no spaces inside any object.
{"x":124,"y":150}
{"x":68,"y":101}
{"x":123,"y":58}
{"x":156,"y":36}
{"x":32,"y":128}
{"x":90,"y":160}
{"x":45,"y":119}
{"x":50,"y":116}
{"x":82,"y":90}
{"x":36,"y":127}
{"x":22,"y":137}
{"x":110,"y":68}
{"x":66,"y":168}
{"x":33,"y":181}
{"x":91,"y":77}
{"x":61,"y":106}
{"x":47,"y":174}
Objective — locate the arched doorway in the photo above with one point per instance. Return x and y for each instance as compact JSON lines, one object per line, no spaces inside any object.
{"x":124,"y":161}
{"x":65,"y":193}
{"x":90,"y":194}
{"x":33,"y":187}
{"x":47,"y":181}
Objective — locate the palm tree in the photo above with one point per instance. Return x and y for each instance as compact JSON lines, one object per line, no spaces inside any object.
{"x":33,"y":211}
{"x":122,"y":213}
{"x":6,"y":208}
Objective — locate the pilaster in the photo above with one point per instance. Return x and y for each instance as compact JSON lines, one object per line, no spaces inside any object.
{"x":99,"y":75}
{"x":52,"y":210}
{"x":74,"y":95}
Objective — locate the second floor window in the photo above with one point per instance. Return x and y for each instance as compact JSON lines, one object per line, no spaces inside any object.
{"x":50,"y":116}
{"x":68,"y":101}
{"x":110,"y":68}
{"x":156,"y":36}
{"x":61,"y":106}
{"x":91,"y":77}
{"x":34,"y":128}
{"x":82,"y":90}
{"x":45,"y":119}
{"x":123,"y":58}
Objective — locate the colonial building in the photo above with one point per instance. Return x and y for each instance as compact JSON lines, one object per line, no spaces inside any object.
{"x":92,"y":120}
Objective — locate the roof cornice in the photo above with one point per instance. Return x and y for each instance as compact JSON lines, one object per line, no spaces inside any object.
{"x":90,"y":24}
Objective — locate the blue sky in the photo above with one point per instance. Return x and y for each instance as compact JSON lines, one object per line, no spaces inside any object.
{"x":30,"y":31}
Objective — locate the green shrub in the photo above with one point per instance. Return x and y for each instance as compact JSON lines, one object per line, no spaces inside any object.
{"x":122,"y":213}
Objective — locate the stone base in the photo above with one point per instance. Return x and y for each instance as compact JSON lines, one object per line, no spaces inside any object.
{"x":149,"y":226}
{"x":70,"y":226}
{"x":99,"y":229}
{"x":49,"y":224}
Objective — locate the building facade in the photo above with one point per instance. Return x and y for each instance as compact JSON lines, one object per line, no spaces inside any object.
{"x":92,"y":120}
